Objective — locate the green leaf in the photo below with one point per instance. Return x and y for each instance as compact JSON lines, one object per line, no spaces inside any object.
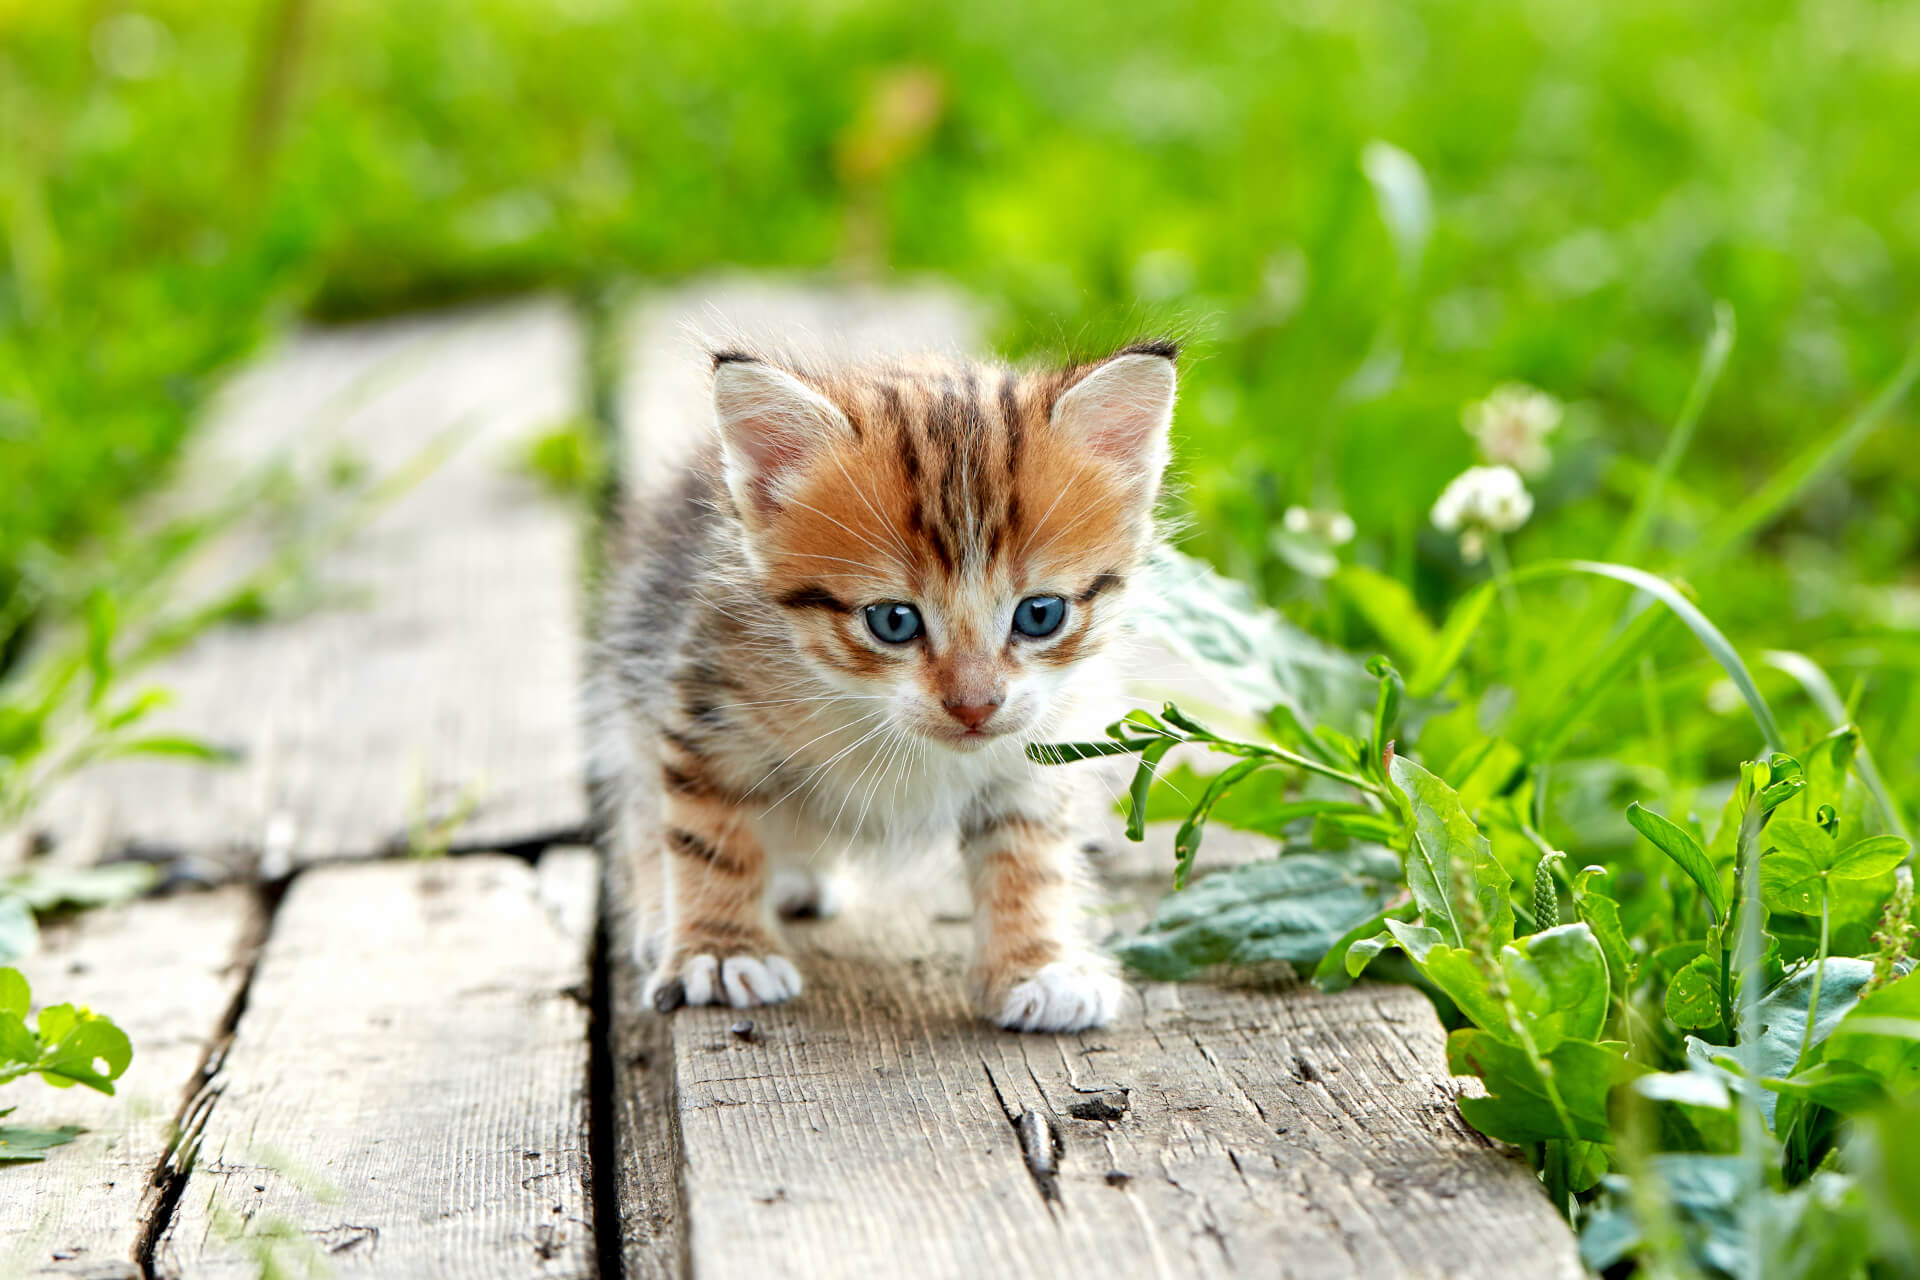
{"x":1520,"y":1106}
{"x":102,"y":620}
{"x":49,"y":888}
{"x":1186,"y":841}
{"x":1602,"y":915}
{"x":1389,"y":609}
{"x":91,"y":1051}
{"x":1337,"y":968}
{"x":1693,"y":997}
{"x":1248,"y":650}
{"x":165,"y":744}
{"x":15,"y":995}
{"x":1558,"y":982}
{"x":1293,"y":908}
{"x":22,"y":1144}
{"x":1870,"y":858}
{"x":1450,"y":865}
{"x":1843,"y":1087}
{"x":1444,"y":654}
{"x":1782,"y":1016}
{"x":1881,"y":1035}
{"x":1142,"y":782}
{"x":1679,"y":845}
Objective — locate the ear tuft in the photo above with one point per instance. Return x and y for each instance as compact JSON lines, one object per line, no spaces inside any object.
{"x":772,"y":426}
{"x":1122,"y":411}
{"x":1165,"y":348}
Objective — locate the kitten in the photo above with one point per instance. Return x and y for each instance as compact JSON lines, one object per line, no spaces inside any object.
{"x":873,"y":588}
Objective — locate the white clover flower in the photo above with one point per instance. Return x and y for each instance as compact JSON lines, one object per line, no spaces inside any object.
{"x":1335,"y":528}
{"x":1512,"y":425}
{"x":1482,"y":500}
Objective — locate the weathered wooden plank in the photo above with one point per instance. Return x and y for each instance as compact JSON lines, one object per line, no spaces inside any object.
{"x":877,"y":1126}
{"x":439,"y":668}
{"x":169,"y":972}
{"x":406,"y":1093}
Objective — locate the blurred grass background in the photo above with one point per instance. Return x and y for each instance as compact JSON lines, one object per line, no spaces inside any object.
{"x":181,"y":177}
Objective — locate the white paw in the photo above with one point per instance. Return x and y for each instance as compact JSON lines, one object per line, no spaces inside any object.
{"x":741,"y":981}
{"x":1062,"y":997}
{"x":806,"y":895}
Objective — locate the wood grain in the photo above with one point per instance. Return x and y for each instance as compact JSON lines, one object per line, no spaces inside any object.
{"x":406,"y":1093}
{"x":878,"y":1126}
{"x":439,"y":666}
{"x":168,"y":972}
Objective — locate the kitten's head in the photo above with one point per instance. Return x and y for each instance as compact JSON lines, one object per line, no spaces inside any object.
{"x":954,"y":538}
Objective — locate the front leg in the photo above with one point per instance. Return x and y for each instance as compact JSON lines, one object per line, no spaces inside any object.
{"x":1033,"y":971}
{"x":719,"y":946}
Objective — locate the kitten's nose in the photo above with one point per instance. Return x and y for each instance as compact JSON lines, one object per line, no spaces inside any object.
{"x":972,"y":714}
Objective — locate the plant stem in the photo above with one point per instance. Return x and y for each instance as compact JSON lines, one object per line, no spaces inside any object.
{"x":1819,"y":973}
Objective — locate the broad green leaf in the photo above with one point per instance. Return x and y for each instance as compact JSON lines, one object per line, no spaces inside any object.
{"x":1870,"y":858}
{"x":1251,"y":652}
{"x":1791,"y":881}
{"x":1602,"y":915}
{"x":91,"y":1051}
{"x":18,"y":1145}
{"x":1679,"y":845}
{"x":15,"y":996}
{"x":1558,"y":982}
{"x":1693,"y":997}
{"x":1293,"y":908}
{"x":1521,"y":1102}
{"x":1782,"y":1016}
{"x":1450,"y":867}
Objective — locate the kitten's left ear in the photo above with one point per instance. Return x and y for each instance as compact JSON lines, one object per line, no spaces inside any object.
{"x":1122,"y":409}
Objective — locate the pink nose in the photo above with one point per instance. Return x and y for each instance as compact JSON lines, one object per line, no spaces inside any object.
{"x":972,"y":715}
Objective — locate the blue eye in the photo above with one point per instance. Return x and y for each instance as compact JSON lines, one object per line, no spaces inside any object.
{"x":1039,"y":615}
{"x":893,"y":623}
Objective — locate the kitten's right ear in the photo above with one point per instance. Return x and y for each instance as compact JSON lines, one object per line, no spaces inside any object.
{"x":771,"y":426}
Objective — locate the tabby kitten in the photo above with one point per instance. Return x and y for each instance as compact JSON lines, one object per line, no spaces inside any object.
{"x":873,"y":588}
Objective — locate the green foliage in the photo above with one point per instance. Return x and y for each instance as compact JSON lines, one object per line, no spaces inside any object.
{"x":1723,"y":989}
{"x":65,"y":1046}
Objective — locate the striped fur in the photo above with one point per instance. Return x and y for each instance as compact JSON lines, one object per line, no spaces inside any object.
{"x":741,"y":681}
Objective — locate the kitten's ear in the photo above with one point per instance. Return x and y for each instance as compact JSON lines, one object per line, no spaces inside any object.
{"x":1122,"y":409}
{"x":771,"y":426}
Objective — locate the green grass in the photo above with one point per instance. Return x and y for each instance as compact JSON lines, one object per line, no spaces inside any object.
{"x":1573,"y":196}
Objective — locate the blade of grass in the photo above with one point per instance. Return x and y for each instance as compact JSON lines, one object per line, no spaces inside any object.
{"x":1713,"y":361}
{"x":1792,"y":480}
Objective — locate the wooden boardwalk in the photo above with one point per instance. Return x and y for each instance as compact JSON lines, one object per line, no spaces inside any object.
{"x":386,"y":1065}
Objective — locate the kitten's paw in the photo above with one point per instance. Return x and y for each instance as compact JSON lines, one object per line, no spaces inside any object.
{"x":1063,"y":996}
{"x":806,"y":895}
{"x":741,"y":981}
